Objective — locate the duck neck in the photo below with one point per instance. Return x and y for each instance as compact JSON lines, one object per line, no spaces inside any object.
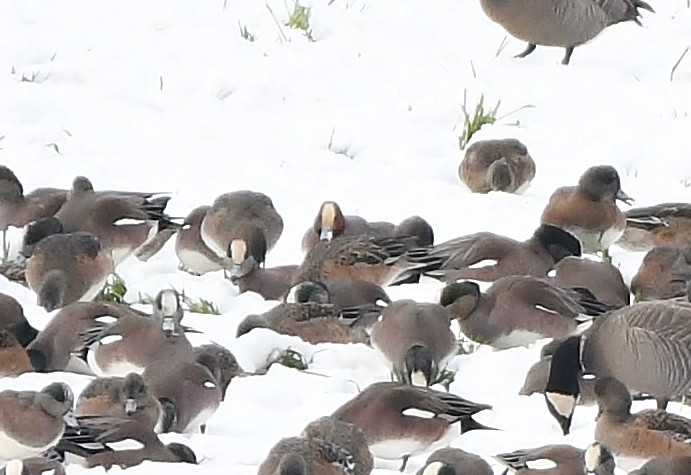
{"x":463,"y":307}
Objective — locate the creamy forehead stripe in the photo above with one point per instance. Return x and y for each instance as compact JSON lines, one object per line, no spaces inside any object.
{"x":419,"y":379}
{"x":328,"y":215}
{"x":238,"y":251}
{"x":169,"y":302}
{"x":592,"y":456}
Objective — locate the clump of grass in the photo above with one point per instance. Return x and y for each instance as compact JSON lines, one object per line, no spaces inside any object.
{"x":31,"y":77}
{"x":299,"y":19}
{"x":466,"y":346}
{"x":200,"y":305}
{"x":289,"y":358}
{"x":638,"y":296}
{"x":480,"y":116}
{"x":114,"y":290}
{"x":246,"y":34}
{"x":446,"y":377}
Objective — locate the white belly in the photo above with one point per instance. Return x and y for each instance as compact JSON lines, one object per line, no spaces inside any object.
{"x":516,"y":338}
{"x":199,"y":420}
{"x":116,"y":368}
{"x":396,"y":449}
{"x":197,"y":262}
{"x":11,"y":449}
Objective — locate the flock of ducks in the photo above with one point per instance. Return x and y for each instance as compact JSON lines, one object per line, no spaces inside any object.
{"x":149,"y":379}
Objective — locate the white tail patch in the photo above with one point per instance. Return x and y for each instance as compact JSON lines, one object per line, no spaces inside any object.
{"x":110,"y":339}
{"x":541,"y":464}
{"x":545,"y":309}
{"x":105,"y":319}
{"x":412,"y":412}
{"x":238,"y":251}
{"x":483,"y":263}
{"x":209,"y":385}
{"x":185,"y":227}
{"x":564,"y":404}
{"x":127,"y":444}
{"x":129,"y":222}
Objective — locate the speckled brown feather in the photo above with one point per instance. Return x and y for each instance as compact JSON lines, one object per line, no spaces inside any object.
{"x":13,"y":358}
{"x":658,"y":277}
{"x":666,"y":224}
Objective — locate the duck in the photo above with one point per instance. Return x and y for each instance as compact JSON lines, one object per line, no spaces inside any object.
{"x":383,"y":262}
{"x":567,"y":460}
{"x":12,"y":319}
{"x":242,"y":224}
{"x":135,"y":342}
{"x":563,"y":24}
{"x":380,"y":411}
{"x":342,"y":434}
{"x":194,"y":255}
{"x":487,"y":256}
{"x":589,"y":210}
{"x":66,"y":268}
{"x":32,"y":422}
{"x":307,"y":312}
{"x":124,"y":398}
{"x":18,"y":210}
{"x":497,"y":165}
{"x":662,"y":274}
{"x":123,"y":221}
{"x":415,"y":340}
{"x":664,"y":224}
{"x":454,"y":461}
{"x":59,"y":345}
{"x":639,"y":436}
{"x":601,"y":278}
{"x":330,"y":223}
{"x":98,"y":435}
{"x":300,"y":456}
{"x":518,"y":310}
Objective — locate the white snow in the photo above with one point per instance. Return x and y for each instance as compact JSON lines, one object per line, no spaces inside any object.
{"x":166,"y":96}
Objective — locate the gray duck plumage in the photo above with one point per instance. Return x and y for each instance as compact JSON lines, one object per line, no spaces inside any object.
{"x":563,"y":23}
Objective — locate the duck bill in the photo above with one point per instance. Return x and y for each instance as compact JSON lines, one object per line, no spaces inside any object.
{"x":130,"y":406}
{"x":70,"y":420}
{"x":623,"y":197}
{"x":326,"y":234}
{"x":168,"y":326}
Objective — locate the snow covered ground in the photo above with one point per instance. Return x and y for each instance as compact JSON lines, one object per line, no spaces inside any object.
{"x":167,"y":95}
